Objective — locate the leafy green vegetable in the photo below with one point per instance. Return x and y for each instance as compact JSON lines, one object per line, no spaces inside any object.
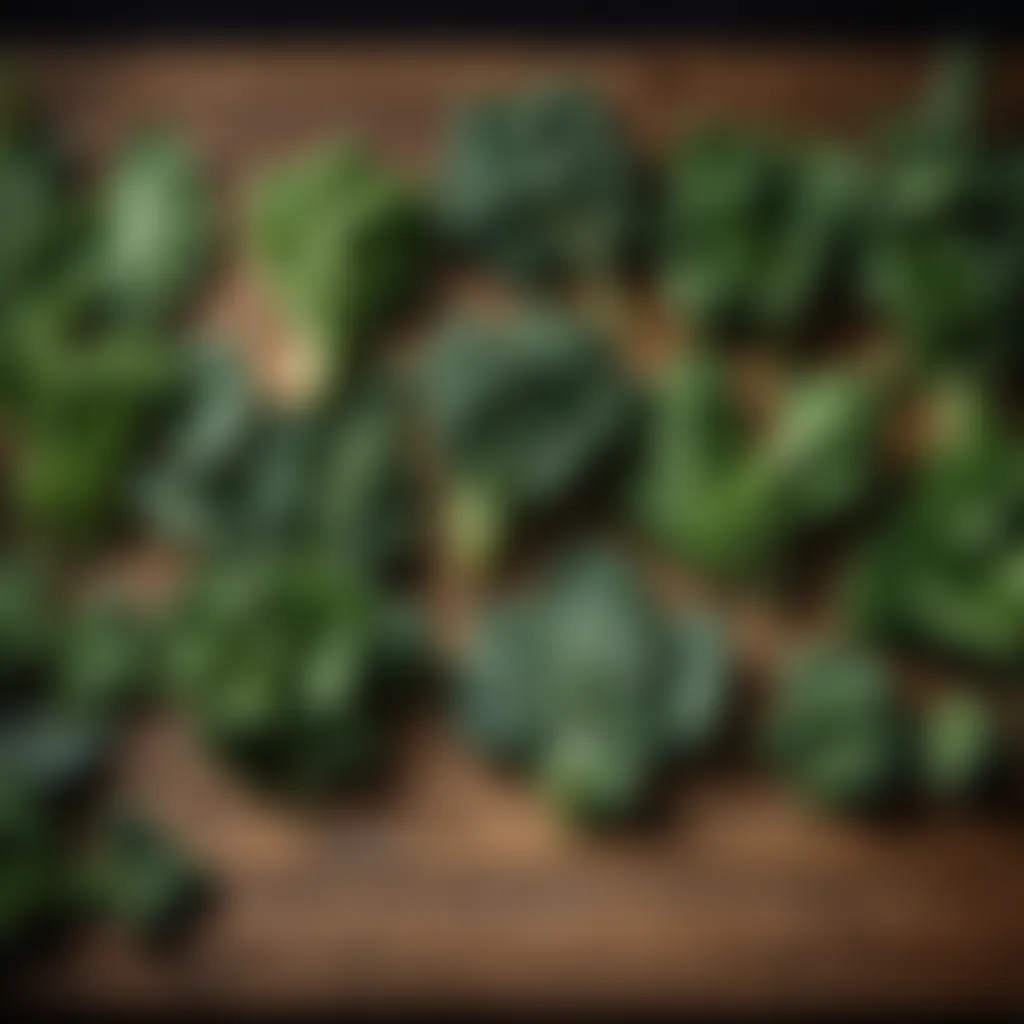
{"x":961,"y":747}
{"x":345,"y":244}
{"x":542,"y":185}
{"x":66,"y":674}
{"x":153,"y":231}
{"x":288,"y":665}
{"x":232,"y":472}
{"x":707,"y":489}
{"x":104,"y":662}
{"x":26,"y":630}
{"x":756,"y":232}
{"x":50,"y":754}
{"x":88,"y":288}
{"x":140,"y":880}
{"x":361,"y":506}
{"x":80,"y":424}
{"x":34,"y":206}
{"x":85,"y":356}
{"x":591,"y":689}
{"x":526,"y":414}
{"x":835,"y":731}
{"x":944,"y":259}
{"x":192,"y":488}
{"x":34,"y":895}
{"x":947,"y":572}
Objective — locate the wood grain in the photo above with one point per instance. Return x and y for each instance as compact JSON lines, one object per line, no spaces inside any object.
{"x":451,"y":884}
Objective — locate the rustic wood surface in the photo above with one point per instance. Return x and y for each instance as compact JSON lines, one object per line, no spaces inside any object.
{"x":450,"y":883}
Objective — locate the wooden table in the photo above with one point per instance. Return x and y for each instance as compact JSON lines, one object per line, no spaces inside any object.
{"x":451,"y":883}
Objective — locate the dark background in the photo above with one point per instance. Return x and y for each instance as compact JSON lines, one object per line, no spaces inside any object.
{"x":454,"y":17}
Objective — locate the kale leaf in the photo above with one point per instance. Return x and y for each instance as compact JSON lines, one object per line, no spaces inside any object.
{"x":708,"y":489}
{"x":344,"y":243}
{"x":287,"y":665}
{"x":526,"y":414}
{"x":835,"y":731}
{"x":757,"y":233}
{"x":590,"y":689}
{"x":542,"y":185}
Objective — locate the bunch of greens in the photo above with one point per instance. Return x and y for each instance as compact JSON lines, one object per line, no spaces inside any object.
{"x":69,"y":674}
{"x":947,"y":572}
{"x":836,"y":731}
{"x":543,"y":186}
{"x":287,"y":666}
{"x":91,"y":285}
{"x":709,"y":490}
{"x":344,"y":243}
{"x":87,"y":656}
{"x":79,"y":412}
{"x":70,"y":671}
{"x":838,"y":734}
{"x":34,"y":890}
{"x":589,"y":688}
{"x":192,"y":488}
{"x":526,"y":414}
{"x":153,"y":230}
{"x":757,"y":234}
{"x":962,"y":748}
{"x":136,"y":877}
{"x":231,"y":472}
{"x":944,"y":245}
{"x":34,"y":195}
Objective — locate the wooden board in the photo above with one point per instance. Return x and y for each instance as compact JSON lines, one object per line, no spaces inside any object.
{"x":452,"y":884}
